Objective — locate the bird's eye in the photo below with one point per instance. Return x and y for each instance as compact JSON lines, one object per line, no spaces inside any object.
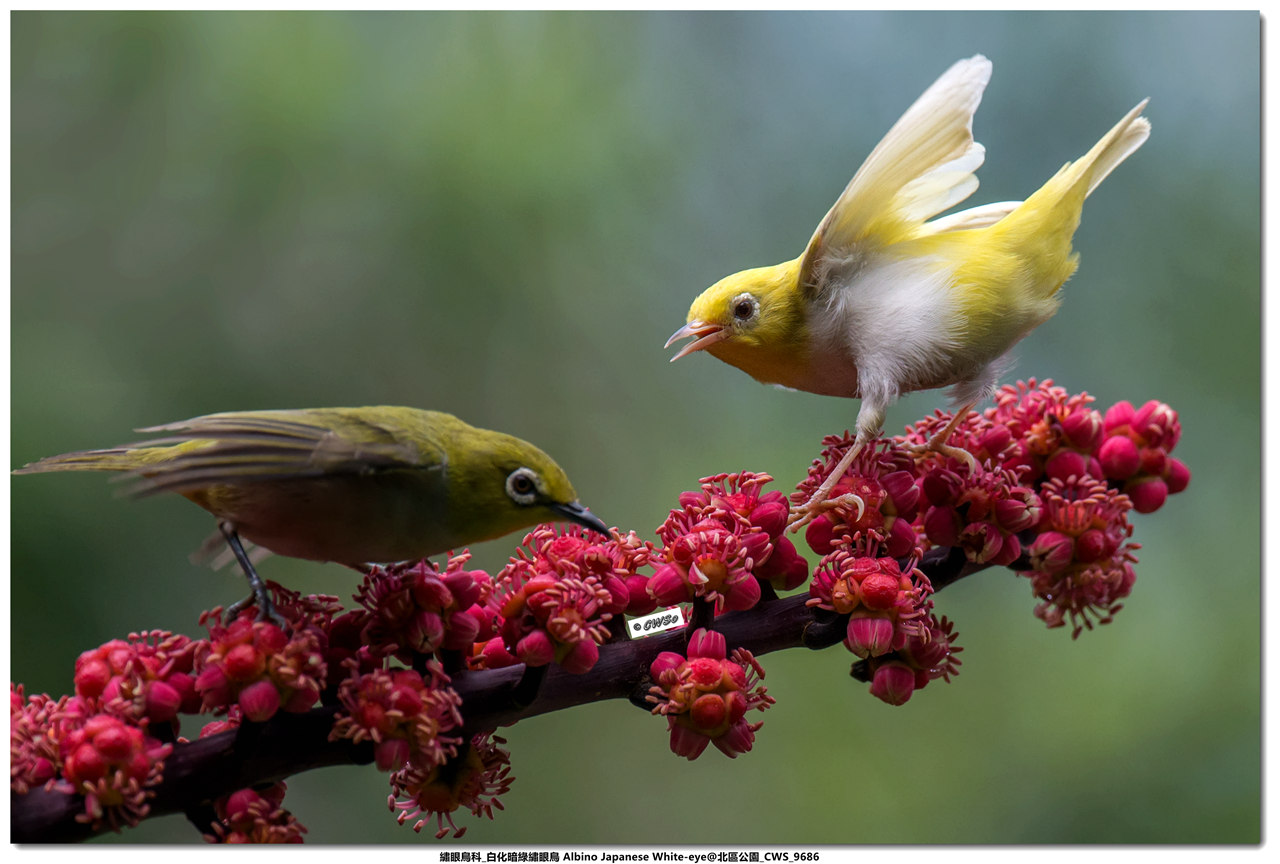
{"x":522,"y":486}
{"x":745,"y":307}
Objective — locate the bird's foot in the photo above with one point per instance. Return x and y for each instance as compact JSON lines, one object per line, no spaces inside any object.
{"x":936,"y":446}
{"x":818,"y":504}
{"x":266,"y":609}
{"x":259,"y":594}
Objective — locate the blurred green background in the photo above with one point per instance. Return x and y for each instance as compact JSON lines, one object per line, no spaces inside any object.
{"x":504,"y":216}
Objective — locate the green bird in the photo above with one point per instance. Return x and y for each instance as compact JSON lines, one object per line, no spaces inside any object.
{"x":349,"y":485}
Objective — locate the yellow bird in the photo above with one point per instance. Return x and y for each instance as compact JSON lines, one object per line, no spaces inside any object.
{"x":884,"y":302}
{"x":350,"y":485}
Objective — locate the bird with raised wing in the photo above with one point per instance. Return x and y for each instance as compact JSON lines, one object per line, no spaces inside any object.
{"x":883,"y":301}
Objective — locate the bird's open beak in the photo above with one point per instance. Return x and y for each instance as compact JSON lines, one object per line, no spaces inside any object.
{"x":707,"y":335}
{"x":575,"y":512}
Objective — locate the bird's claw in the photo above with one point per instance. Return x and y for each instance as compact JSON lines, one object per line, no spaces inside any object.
{"x":957,"y":453}
{"x":819,"y":504}
{"x":266,"y":610}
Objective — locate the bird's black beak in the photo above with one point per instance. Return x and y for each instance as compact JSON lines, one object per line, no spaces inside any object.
{"x":575,"y":512}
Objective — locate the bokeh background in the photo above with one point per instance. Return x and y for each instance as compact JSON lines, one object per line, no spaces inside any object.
{"x":504,"y":216}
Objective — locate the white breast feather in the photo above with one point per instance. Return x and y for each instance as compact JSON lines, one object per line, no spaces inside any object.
{"x":914,"y":336}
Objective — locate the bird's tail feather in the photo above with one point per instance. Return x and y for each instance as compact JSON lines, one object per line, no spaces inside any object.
{"x":1040,"y":229}
{"x":1114,"y":147}
{"x":114,"y":459}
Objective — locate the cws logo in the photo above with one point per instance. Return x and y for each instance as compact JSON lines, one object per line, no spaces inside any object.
{"x":656,"y":622}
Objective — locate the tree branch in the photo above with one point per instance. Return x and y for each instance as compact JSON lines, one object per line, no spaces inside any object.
{"x":200,"y":771}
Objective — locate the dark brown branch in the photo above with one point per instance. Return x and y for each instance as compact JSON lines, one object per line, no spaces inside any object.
{"x":206,"y":769}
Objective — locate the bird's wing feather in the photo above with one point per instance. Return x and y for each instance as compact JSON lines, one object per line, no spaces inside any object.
{"x":975,"y":217}
{"x":924,"y":165}
{"x":244,"y":447}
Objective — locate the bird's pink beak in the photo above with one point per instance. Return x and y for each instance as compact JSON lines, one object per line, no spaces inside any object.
{"x":707,"y":335}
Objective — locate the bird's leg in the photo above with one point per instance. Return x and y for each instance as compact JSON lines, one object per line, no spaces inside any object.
{"x":938,"y":442}
{"x":818,"y":502}
{"x":258,"y":589}
{"x":868,"y":425}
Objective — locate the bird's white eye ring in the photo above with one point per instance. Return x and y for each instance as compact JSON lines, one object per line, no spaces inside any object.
{"x":522,"y":486}
{"x":745,"y":307}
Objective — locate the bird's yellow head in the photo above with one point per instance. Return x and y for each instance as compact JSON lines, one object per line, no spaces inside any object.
{"x":754,"y":320}
{"x":506,"y":483}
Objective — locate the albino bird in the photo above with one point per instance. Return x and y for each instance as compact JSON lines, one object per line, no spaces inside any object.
{"x":884,"y":302}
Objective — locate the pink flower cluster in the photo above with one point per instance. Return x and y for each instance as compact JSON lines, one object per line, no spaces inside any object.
{"x":404,"y":713}
{"x":419,"y":609}
{"x":982,"y":512}
{"x":723,"y":543}
{"x":1045,"y":459}
{"x":259,"y":667}
{"x":1049,"y":495}
{"x":926,"y":654}
{"x":706,"y":695}
{"x":553,"y":601}
{"x":1080,"y":564}
{"x":1135,"y":453}
{"x":97,"y":744}
{"x":255,"y":816}
{"x":884,"y":479}
{"x":148,"y":676}
{"x":111,"y":763}
{"x":885,"y":606}
{"x":473,"y":779}
{"x":33,"y":752}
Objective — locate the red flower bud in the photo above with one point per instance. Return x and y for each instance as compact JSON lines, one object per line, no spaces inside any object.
{"x":786,"y":568}
{"x":665,"y":661}
{"x":1051,"y":552}
{"x":391,"y":754}
{"x":244,"y":663}
{"x":1118,"y":416}
{"x":1148,"y":495}
{"x":940,"y":487}
{"x":430,"y":593}
{"x":757,"y":546}
{"x":667,"y":586}
{"x":879,"y":591}
{"x":581,"y":657}
{"x":709,"y":711}
{"x":92,"y":675}
{"x":693,"y":499}
{"x":260,"y":701}
{"x":893,"y":683}
{"x":981,"y":541}
{"x":1066,"y":464}
{"x":1018,"y":512}
{"x":820,"y":534}
{"x":162,"y":701}
{"x":1083,"y":428}
{"x":1153,"y":461}
{"x":535,"y":649}
{"x":902,"y":538}
{"x":708,"y":643}
{"x":1092,"y":546}
{"x":903,"y":492}
{"x":1010,"y":549}
{"x":771,"y":518}
{"x":1119,"y":458}
{"x":114,"y":743}
{"x":942,"y":525}
{"x":869,"y":636}
{"x":640,"y":603}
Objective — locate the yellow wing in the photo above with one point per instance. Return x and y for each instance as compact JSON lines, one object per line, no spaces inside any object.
{"x":924,"y":165}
